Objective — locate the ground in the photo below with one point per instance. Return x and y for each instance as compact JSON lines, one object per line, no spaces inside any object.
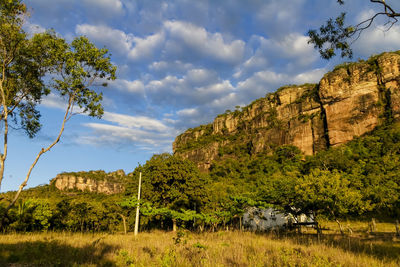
{"x":224,"y":248}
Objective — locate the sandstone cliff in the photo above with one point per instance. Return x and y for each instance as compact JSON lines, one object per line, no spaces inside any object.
{"x":93,"y":181}
{"x":349,"y":101}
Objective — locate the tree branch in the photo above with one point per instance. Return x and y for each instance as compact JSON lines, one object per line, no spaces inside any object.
{"x":44,"y":150}
{"x":334,"y":36}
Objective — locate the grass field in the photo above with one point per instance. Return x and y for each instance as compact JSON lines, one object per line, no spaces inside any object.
{"x":225,"y":248}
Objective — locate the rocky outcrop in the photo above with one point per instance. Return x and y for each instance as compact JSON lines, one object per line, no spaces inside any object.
{"x":93,"y":181}
{"x":349,"y":101}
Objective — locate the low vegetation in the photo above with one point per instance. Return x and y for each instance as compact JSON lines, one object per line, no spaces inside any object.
{"x":184,"y":248}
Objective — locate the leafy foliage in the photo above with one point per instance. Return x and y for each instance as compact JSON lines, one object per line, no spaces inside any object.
{"x":335,"y":36}
{"x":32,"y":67}
{"x":354,"y":180}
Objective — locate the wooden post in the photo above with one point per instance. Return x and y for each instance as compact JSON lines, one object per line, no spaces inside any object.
{"x":373,"y":225}
{"x":174,"y":225}
{"x":137,"y":208}
{"x":124,"y":222}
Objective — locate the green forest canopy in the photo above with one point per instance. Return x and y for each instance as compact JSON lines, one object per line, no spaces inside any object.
{"x":354,"y":180}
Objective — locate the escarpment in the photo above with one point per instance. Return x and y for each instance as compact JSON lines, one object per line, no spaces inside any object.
{"x":92,"y":181}
{"x":349,"y":101}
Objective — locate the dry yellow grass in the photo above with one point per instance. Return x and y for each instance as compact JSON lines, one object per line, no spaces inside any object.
{"x":359,"y":226}
{"x":207,"y":249}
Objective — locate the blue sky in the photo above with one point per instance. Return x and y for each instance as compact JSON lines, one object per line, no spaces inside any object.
{"x":180,"y":63}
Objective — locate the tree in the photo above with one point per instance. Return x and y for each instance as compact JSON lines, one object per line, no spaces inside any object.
{"x":172,"y":183}
{"x":329,"y":194}
{"x":336,"y":36}
{"x":31,"y":68}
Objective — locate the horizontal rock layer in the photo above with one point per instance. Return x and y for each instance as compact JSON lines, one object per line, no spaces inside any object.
{"x":94,"y":181}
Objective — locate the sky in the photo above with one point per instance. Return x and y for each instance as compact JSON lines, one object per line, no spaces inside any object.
{"x":180,"y":63}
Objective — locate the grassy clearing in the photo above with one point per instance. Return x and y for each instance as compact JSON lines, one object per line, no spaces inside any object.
{"x":189,"y":249}
{"x":358,"y":227}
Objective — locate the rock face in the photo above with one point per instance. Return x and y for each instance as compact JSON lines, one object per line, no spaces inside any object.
{"x":93,"y":181}
{"x":349,"y":101}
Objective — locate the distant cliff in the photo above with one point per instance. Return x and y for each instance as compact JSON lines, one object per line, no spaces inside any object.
{"x":349,"y":101}
{"x":92,"y":181}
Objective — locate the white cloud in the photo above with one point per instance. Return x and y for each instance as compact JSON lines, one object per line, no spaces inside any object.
{"x":117,"y":41}
{"x":313,"y":76}
{"x":141,"y":122}
{"x":296,"y":46}
{"x":145,"y":47}
{"x":365,"y":15}
{"x":135,"y":87}
{"x":127,"y":45}
{"x":259,"y":79}
{"x":290,"y":52}
{"x":139,"y":131}
{"x":197,"y":87}
{"x":187,"y":112}
{"x":279,"y":17}
{"x":54,"y":101}
{"x":254,"y":63}
{"x":292,"y":46}
{"x":111,"y":7}
{"x":199,"y":77}
{"x":32,"y":28}
{"x":189,"y":38}
{"x":178,"y":42}
{"x":225,"y":102}
{"x":105,"y":133}
{"x":174,"y":66}
{"x":376,"y":40}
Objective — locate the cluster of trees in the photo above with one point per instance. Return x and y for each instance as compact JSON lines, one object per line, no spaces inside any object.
{"x":352,"y":181}
{"x":45,"y":208}
{"x":356,"y":180}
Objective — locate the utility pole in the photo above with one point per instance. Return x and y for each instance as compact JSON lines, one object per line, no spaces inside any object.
{"x":137,"y":208}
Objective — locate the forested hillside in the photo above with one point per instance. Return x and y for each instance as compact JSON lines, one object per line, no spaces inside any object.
{"x":355,"y":180}
{"x":349,"y":101}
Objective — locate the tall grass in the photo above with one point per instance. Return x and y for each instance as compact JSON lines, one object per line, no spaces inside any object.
{"x":189,"y":249}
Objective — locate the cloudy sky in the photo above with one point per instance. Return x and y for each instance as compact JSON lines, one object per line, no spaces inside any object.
{"x":180,"y":63}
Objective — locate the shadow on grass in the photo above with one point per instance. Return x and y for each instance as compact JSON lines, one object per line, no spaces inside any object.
{"x":54,"y":253}
{"x":382,"y":246}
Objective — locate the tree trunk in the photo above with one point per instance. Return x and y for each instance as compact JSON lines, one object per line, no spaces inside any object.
{"x":372,"y":226}
{"x":67,"y":116}
{"x":319,"y":230}
{"x":3,"y":156}
{"x":124,"y":222}
{"x":397,"y":228}
{"x":350,"y":230}
{"x":240,"y":223}
{"x":174,"y":225}
{"x":340,"y":227}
